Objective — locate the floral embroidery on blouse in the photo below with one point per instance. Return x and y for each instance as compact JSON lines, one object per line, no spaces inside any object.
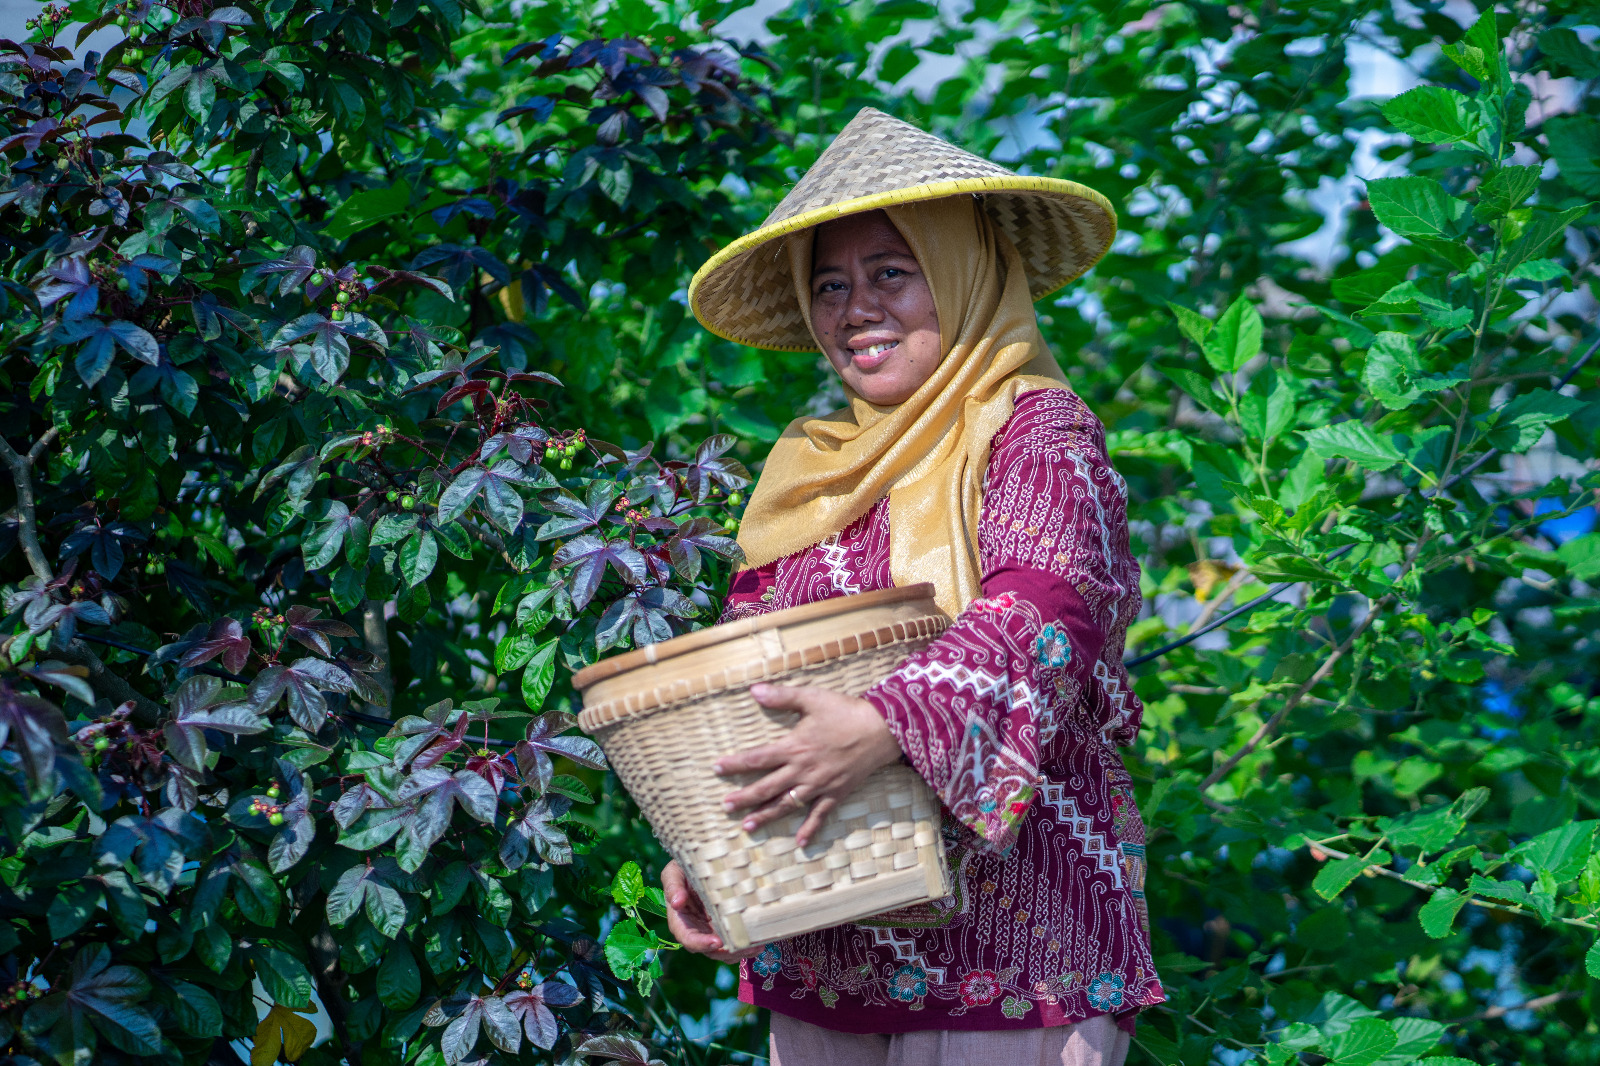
{"x":1051,"y":648}
{"x":1012,"y":716}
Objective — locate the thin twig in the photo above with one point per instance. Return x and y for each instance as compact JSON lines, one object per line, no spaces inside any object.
{"x":1271,"y":725}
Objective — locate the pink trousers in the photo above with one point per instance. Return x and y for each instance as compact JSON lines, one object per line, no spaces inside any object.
{"x":1092,"y":1042}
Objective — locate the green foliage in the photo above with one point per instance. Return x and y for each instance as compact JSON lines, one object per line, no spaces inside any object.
{"x":278,"y":348}
{"x":237,"y":398}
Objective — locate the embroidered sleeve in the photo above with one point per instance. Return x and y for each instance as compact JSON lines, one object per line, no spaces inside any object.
{"x":750,"y":593}
{"x":975,"y":710}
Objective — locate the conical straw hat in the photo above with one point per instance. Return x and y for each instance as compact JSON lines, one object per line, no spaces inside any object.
{"x":744,"y":292}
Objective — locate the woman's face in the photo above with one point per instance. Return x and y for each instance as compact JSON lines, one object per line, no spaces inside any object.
{"x":872,"y":309}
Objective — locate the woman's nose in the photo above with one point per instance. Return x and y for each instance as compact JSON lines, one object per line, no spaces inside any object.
{"x":863,"y":306}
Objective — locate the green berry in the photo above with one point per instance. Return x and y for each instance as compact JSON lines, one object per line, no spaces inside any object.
{"x":318,"y":278}
{"x":391,"y":496}
{"x":101,"y":743}
{"x":407,"y":502}
{"x":275,"y":818}
{"x":272,"y":793}
{"x":735,"y":499}
{"x":338,"y":314}
{"x":123,"y":285}
{"x":341,"y":297}
{"x":566,"y":464}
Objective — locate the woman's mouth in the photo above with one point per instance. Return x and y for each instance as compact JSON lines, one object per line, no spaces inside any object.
{"x":873,"y":355}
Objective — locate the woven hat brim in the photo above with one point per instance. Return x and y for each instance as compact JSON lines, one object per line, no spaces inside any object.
{"x":763,"y":312}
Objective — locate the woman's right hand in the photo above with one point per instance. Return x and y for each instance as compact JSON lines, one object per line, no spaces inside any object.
{"x":688,"y":921}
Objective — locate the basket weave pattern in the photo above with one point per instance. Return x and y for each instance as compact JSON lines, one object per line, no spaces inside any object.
{"x":878,"y":850}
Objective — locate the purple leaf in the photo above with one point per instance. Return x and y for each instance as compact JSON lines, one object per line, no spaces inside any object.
{"x":227,"y":639}
{"x":588,"y":557}
{"x":303,"y":683}
{"x":305,"y":627}
{"x":532,"y":1008}
{"x":536,"y":829}
{"x":31,"y":727}
{"x":574,"y":515}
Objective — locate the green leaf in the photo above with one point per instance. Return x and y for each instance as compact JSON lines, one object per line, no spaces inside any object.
{"x":540,"y":675}
{"x":1236,"y":337}
{"x":256,"y":893}
{"x":72,"y":908}
{"x":616,"y":180}
{"x":1335,"y":877}
{"x":1355,"y":441}
{"x":1591,"y":960}
{"x":364,"y":208}
{"x":1504,"y":190}
{"x":418,"y":556}
{"x":1439,"y":913}
{"x":1193,"y":324}
{"x":567,"y":785}
{"x":1478,"y":51}
{"x":513,"y":652}
{"x":628,"y":885}
{"x":1568,"y":50}
{"x":1396,"y":377}
{"x":196,"y":1010}
{"x":399,"y":978}
{"x":1414,"y":206}
{"x":1561,"y":852}
{"x":1581,"y":556}
{"x":1364,"y":1043}
{"x":1433,"y":115}
{"x":1518,"y":425}
{"x":1197,"y":386}
{"x":285,"y":977}
{"x":626,"y":947}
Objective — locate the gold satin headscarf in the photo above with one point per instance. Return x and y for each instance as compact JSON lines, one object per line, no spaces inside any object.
{"x":930,"y":453}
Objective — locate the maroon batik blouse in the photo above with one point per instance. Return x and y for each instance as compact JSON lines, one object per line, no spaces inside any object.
{"x":1014,"y":716}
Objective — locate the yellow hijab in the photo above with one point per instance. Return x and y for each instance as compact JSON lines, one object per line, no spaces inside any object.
{"x":930,"y":453}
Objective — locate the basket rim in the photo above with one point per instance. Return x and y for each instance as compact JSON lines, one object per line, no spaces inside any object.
{"x":648,"y":702}
{"x":651,"y":654}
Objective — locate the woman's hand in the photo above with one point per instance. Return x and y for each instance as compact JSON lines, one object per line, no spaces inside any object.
{"x":687,"y":919}
{"x":838,"y":741}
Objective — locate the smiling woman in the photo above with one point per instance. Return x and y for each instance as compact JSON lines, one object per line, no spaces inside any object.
{"x":872,"y":310}
{"x":962,"y":460}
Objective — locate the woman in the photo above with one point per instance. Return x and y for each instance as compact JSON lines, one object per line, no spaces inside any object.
{"x":964,"y":460}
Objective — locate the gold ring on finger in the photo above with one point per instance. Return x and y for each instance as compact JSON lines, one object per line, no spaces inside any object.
{"x":794,"y":798}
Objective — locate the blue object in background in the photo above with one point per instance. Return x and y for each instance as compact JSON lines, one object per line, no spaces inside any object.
{"x":1561,"y":530}
{"x":1498,"y":700}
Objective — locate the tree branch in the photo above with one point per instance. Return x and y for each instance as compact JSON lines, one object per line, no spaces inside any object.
{"x":375,"y":632}
{"x":1271,"y":725}
{"x":146,"y":712}
{"x":21,"y":467}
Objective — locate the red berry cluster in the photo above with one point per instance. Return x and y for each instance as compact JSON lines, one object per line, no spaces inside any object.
{"x":18,"y":993}
{"x":50,"y":19}
{"x":273,"y":811}
{"x":564,"y":450}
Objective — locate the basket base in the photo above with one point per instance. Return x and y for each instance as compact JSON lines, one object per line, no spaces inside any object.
{"x":764,"y":923}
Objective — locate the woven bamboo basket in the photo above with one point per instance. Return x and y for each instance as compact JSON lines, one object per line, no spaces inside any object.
{"x":664,"y":713}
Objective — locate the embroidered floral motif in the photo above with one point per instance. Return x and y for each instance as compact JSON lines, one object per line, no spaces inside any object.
{"x":1015,"y":1007}
{"x":808,"y":972}
{"x":979,"y":988}
{"x":1050,"y":647}
{"x":828,"y":996}
{"x":1105,"y":991}
{"x":1005,"y":601}
{"x":769,"y":962}
{"x":910,"y":983}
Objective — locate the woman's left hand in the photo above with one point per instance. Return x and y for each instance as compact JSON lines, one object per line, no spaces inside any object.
{"x":838,"y":741}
